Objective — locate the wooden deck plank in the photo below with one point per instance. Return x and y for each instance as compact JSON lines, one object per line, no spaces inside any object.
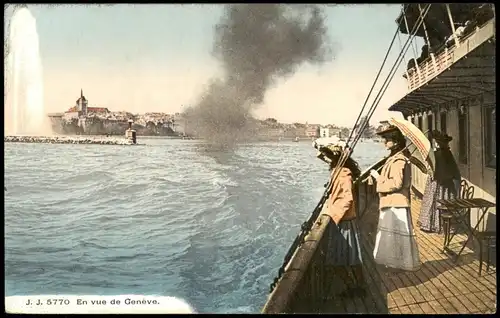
{"x":405,"y":310}
{"x":441,"y":277}
{"x":426,"y":293}
{"x":437,"y":241}
{"x":470,"y":260}
{"x":396,"y":311}
{"x":385,"y":301}
{"x":463,"y":305}
{"x":425,"y":286}
{"x":400,"y":286}
{"x":427,"y":308}
{"x":451,"y":272}
{"x":381,"y":302}
{"x":477,"y":301}
{"x":466,"y":276}
{"x":437,"y":307}
{"x":414,"y":292}
{"x":370,"y":305}
{"x":350,"y":306}
{"x":447,"y":306}
{"x":415,"y":309}
{"x":373,"y":301}
{"x":491,"y":299}
{"x":334,"y":305}
{"x":441,"y":286}
{"x":360,"y":305}
{"x":394,"y":296}
{"x":470,"y":266}
{"x":439,"y":272}
{"x":463,"y":291}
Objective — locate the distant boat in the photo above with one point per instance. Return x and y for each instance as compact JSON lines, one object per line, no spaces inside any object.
{"x":296,"y":139}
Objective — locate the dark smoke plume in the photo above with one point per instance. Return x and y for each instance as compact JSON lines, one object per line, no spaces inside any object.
{"x":256,"y":44}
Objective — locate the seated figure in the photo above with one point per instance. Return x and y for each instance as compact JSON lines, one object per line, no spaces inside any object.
{"x":459,"y":33}
{"x":424,"y":54}
{"x":412,"y":63}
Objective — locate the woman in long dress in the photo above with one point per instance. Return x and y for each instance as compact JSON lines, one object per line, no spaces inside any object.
{"x":444,"y":184}
{"x":395,"y":243}
{"x":344,"y":251}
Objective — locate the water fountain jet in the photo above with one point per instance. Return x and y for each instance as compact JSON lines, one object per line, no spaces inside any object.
{"x":24,"y":107}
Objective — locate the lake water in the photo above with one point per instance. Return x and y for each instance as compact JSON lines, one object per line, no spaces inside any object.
{"x":169,"y":218}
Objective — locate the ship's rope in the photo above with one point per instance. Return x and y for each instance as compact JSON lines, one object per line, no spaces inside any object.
{"x":373,"y":85}
{"x":404,"y":57}
{"x":415,"y":51}
{"x":350,"y":148}
{"x":306,"y":226}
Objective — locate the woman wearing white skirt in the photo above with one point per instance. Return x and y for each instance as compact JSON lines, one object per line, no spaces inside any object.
{"x":395,"y":243}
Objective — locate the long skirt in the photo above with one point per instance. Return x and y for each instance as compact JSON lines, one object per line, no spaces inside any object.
{"x":343,"y":244}
{"x":395,"y":243}
{"x":428,"y":219}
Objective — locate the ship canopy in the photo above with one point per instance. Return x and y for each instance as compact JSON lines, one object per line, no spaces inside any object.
{"x":436,"y":20}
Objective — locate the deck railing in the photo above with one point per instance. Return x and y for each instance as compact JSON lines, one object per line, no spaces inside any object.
{"x":434,"y":65}
{"x":303,"y":285}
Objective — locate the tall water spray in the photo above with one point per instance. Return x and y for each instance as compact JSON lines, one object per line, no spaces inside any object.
{"x":24,"y":113}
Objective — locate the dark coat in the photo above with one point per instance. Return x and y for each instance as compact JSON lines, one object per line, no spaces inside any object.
{"x":446,"y":167}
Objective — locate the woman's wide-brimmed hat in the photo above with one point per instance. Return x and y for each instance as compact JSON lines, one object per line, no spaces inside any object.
{"x":393,"y":133}
{"x":388,"y":130}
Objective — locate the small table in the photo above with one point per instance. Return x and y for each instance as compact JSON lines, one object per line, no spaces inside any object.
{"x":457,"y":205}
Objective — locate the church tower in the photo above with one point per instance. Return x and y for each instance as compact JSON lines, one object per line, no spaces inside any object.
{"x":81,"y":104}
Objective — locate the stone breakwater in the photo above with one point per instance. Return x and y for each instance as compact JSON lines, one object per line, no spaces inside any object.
{"x":69,"y":140}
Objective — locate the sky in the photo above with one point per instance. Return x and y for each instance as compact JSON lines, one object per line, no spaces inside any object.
{"x":157,"y":58}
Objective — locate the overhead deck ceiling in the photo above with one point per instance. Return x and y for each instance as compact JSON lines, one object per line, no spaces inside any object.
{"x":470,"y":76}
{"x":437,"y":20}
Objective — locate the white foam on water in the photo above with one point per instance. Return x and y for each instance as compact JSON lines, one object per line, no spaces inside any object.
{"x":95,"y":304}
{"x":69,"y":140}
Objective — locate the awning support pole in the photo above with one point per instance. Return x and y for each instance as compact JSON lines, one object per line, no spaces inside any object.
{"x":408,"y":31}
{"x":404,"y":59}
{"x":427,"y":38}
{"x":457,"y":44}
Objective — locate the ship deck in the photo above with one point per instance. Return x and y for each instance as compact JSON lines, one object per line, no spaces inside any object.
{"x":441,"y":286}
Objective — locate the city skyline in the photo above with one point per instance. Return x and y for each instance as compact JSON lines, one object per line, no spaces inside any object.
{"x":145,"y":113}
{"x":157,"y":58}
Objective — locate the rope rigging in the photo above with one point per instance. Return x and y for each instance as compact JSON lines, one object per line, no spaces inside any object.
{"x":404,"y":57}
{"x":306,"y":226}
{"x":415,"y":50}
{"x":373,"y":85}
{"x":380,"y":94}
{"x":428,"y":40}
{"x":391,"y":74}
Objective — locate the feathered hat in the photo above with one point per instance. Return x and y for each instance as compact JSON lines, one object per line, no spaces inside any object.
{"x":327,"y":153}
